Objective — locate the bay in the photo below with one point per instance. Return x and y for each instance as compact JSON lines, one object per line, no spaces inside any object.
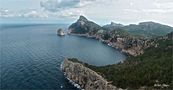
{"x":31,"y":55}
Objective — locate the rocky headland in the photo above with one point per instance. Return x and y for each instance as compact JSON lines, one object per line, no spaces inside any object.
{"x":149,"y":43}
{"x":151,"y":70}
{"x":113,"y":35}
{"x":85,"y":77}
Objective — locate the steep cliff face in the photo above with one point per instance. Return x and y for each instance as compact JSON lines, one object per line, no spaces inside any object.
{"x":84,"y":26}
{"x":85,"y":77}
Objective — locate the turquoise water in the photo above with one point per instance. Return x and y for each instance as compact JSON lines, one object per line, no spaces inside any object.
{"x":31,"y":55}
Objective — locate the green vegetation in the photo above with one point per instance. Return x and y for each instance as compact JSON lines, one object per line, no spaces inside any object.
{"x":153,"y":67}
{"x":145,"y":29}
{"x":149,"y":29}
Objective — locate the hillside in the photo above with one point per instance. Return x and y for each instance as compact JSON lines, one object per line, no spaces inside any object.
{"x":153,"y":69}
{"x":145,"y":29}
{"x":112,"y":26}
{"x":149,"y":29}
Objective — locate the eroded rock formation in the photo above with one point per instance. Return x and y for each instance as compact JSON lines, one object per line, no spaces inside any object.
{"x":85,"y":77}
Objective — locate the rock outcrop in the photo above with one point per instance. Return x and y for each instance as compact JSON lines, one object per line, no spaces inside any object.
{"x":84,"y":26}
{"x":60,"y":32}
{"x":85,"y":77}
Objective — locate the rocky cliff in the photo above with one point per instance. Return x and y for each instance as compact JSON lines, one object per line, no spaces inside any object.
{"x":85,"y":77}
{"x":84,"y":26}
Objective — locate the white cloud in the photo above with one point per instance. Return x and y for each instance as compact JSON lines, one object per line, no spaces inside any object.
{"x":71,"y":13}
{"x":35,"y":14}
{"x":4,"y":13}
{"x":123,"y":11}
{"x":57,"y":5}
{"x":167,"y":5}
{"x":157,"y":10}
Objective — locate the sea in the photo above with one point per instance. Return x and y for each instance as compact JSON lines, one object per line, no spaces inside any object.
{"x":31,"y":56}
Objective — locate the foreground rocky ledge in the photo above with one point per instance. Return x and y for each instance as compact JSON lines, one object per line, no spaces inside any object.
{"x":85,"y":77}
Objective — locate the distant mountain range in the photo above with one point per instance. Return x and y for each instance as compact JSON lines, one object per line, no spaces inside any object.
{"x":146,"y":29}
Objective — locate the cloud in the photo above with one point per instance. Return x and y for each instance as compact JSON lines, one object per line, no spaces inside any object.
{"x":155,"y":6}
{"x":57,"y":5}
{"x":65,"y":8}
{"x":35,"y":14}
{"x":71,"y":13}
{"x":125,"y":11}
{"x":151,"y":11}
{"x":157,"y":11}
{"x":5,"y":13}
{"x":167,"y":4}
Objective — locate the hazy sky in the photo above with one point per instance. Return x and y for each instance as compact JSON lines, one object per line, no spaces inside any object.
{"x":100,"y":11}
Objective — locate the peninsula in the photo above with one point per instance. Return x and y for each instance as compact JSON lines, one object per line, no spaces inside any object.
{"x":130,"y":39}
{"x":85,"y":77}
{"x":148,"y":67}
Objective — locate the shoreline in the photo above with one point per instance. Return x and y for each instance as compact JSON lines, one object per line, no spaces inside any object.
{"x":69,"y":80}
{"x":104,"y":42}
{"x":76,"y":73}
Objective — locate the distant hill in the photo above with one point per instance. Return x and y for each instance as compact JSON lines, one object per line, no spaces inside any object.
{"x":146,"y":29}
{"x":149,"y":29}
{"x":83,"y":26}
{"x":112,"y":26}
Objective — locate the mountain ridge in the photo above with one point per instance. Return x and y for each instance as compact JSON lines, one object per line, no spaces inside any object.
{"x":148,"y":29}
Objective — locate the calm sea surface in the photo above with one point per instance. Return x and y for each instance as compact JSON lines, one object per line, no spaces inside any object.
{"x":30,"y":56}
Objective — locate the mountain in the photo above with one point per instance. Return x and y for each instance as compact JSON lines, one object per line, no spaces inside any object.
{"x":145,"y":29}
{"x":84,"y":26}
{"x":148,"y":29}
{"x":112,"y":26}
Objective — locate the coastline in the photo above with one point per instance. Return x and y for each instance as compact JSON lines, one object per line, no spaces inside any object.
{"x":84,"y":78}
{"x":104,"y":42}
{"x":70,"y":81}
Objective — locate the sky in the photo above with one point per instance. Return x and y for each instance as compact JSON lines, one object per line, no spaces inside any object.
{"x":100,"y":11}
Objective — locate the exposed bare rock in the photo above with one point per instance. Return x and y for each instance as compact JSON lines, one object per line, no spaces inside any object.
{"x":84,"y":26}
{"x":85,"y":77}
